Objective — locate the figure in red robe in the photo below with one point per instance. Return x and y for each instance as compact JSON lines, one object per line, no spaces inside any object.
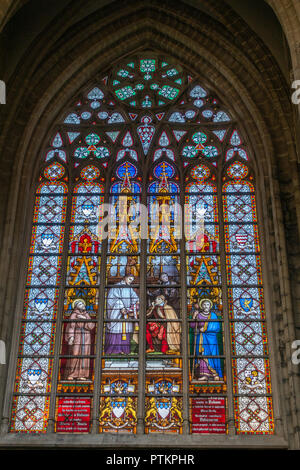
{"x":162,"y":336}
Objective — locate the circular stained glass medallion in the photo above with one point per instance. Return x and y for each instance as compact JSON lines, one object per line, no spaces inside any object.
{"x":54,"y":172}
{"x":200,"y":173}
{"x":237,"y":170}
{"x":90,"y":173}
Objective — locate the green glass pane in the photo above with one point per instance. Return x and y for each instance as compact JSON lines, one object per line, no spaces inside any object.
{"x":81,"y":152}
{"x":124,"y":73}
{"x":125,"y":92}
{"x":147,"y":103}
{"x":168,"y":92}
{"x":189,"y":152}
{"x":92,"y":139}
{"x":147,"y":65}
{"x":210,"y":151}
{"x":172,"y":72}
{"x":101,"y":152}
{"x":199,"y":138}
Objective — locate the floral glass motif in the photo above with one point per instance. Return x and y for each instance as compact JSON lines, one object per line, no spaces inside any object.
{"x":145,"y":132}
{"x":148,"y":83}
{"x":236,"y":149}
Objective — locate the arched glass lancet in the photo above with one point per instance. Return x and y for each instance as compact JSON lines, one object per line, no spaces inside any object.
{"x":164,"y":333}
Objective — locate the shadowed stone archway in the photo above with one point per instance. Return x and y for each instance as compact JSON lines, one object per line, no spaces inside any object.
{"x":237,"y":66}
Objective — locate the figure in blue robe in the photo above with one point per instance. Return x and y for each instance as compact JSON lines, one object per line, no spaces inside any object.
{"x":206,"y":343}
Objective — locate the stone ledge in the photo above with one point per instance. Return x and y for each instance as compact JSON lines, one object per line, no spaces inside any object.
{"x":115,"y":441}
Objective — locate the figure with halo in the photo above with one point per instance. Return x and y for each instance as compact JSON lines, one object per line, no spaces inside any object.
{"x":206,"y":363}
{"x":78,"y":336}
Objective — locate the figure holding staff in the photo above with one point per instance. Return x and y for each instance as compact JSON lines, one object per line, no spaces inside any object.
{"x":206,"y":363}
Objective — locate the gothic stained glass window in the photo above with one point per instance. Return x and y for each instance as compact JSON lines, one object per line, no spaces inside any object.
{"x":167,"y":329}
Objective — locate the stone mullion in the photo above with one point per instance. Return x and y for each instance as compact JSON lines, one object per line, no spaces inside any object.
{"x":60,"y":305}
{"x":100,"y":333}
{"x":184,"y":320}
{"x":142,"y":327}
{"x":226,"y":322}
